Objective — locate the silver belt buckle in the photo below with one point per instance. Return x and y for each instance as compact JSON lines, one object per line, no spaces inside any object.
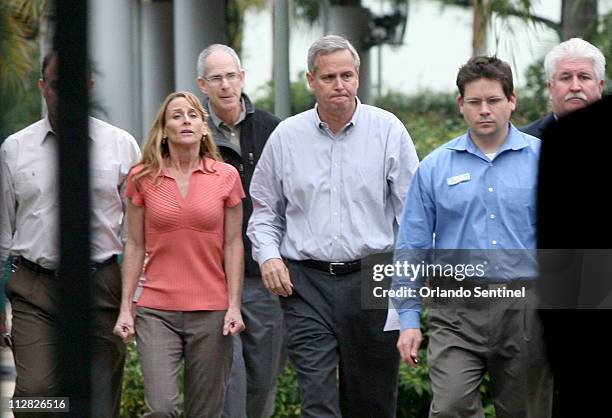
{"x":331,"y":267}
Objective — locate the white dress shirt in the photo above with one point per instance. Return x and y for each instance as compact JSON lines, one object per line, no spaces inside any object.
{"x":29,"y":204}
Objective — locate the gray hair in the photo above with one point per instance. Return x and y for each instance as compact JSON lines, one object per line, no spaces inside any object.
{"x":327,"y":45}
{"x":575,"y":48}
{"x":201,"y":66}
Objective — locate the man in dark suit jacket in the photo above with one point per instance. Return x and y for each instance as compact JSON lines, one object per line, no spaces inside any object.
{"x":575,"y":235}
{"x":575,"y":71}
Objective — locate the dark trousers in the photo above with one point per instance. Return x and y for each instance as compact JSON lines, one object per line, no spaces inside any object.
{"x":35,"y":304}
{"x":329,"y":336}
{"x":259,"y":355}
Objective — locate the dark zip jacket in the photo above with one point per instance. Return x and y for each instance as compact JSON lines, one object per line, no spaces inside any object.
{"x":254,"y":132}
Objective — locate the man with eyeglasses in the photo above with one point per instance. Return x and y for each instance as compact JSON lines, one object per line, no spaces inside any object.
{"x":241,"y":131}
{"x":478,"y":193}
{"x":575,"y":72}
{"x":328,"y":192}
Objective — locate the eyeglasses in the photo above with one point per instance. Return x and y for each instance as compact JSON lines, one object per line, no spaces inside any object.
{"x":491,"y":102}
{"x":217,"y":80}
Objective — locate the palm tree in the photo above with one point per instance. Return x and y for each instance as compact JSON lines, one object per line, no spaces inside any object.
{"x":19,"y":22}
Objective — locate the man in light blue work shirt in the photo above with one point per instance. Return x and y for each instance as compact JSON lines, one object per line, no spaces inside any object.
{"x":478,"y":192}
{"x":327,"y":192}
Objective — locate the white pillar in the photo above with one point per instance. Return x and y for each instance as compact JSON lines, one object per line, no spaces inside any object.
{"x":197,"y":24}
{"x":282,"y":84}
{"x":352,"y":23}
{"x":157,"y":48}
{"x":113,"y":38}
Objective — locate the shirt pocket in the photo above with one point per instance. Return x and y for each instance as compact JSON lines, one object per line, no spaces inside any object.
{"x":32,"y":184}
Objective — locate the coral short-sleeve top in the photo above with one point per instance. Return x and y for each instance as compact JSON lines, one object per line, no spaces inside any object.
{"x":184,"y":236}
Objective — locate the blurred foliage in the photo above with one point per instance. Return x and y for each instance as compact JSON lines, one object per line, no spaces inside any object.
{"x":287,"y":395}
{"x":132,"y":398}
{"x":19,"y":57}
{"x":301,"y":97}
{"x":603,"y":40}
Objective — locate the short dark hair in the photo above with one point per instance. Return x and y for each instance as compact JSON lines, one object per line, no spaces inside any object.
{"x":53,"y":54}
{"x":491,"y":68}
{"x":45,"y":63}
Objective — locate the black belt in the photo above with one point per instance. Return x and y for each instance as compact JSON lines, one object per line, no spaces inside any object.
{"x":333,"y":268}
{"x":93,"y":267}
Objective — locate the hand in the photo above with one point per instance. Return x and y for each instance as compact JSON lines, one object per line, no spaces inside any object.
{"x":124,"y":327}
{"x":276,"y":278}
{"x":232,"y":323}
{"x":408,"y":345}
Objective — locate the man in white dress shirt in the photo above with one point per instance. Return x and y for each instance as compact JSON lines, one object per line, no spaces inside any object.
{"x":29,"y":216}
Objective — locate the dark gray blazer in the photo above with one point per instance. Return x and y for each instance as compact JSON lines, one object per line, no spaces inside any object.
{"x":537,"y":127}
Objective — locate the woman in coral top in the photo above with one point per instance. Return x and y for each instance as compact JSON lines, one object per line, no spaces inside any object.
{"x":184,"y":212}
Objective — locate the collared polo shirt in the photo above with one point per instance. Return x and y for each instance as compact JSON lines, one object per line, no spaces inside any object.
{"x":184,"y":236}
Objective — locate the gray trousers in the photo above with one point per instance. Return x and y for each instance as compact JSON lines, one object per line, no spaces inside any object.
{"x":259,"y":355}
{"x":166,"y":338}
{"x":346,"y":365}
{"x":503,"y":336}
{"x":34,"y":304}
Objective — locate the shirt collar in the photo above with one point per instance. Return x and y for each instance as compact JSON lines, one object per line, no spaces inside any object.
{"x":246,"y":108}
{"x":351,"y":123}
{"x":200,"y":167}
{"x":514,"y":141}
{"x":48,"y":129}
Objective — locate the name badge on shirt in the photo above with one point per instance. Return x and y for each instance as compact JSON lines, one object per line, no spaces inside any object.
{"x":458,"y":179}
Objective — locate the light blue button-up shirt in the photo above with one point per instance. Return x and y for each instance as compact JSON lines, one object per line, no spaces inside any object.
{"x":330,"y":197}
{"x":472,"y":202}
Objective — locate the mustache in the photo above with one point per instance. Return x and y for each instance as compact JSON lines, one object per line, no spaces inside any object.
{"x":579,"y":95}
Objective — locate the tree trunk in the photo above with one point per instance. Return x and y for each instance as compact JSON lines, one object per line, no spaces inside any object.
{"x":578,"y":19}
{"x":482,"y":14}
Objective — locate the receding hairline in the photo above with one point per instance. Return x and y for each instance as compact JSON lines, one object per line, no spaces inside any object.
{"x":210,"y":50}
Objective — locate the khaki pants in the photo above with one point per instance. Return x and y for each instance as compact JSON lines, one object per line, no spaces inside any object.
{"x":165,"y":339}
{"x":503,"y":336}
{"x":34,"y":303}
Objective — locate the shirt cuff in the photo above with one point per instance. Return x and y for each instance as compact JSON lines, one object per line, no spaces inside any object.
{"x":267,"y":253}
{"x":409,"y":318}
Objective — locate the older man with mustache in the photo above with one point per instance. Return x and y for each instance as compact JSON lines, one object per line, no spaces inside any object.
{"x":575,"y":71}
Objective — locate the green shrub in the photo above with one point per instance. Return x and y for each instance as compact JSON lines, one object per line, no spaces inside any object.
{"x":132,"y":398}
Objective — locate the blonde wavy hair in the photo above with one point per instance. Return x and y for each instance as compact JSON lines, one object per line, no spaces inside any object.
{"x":156,"y":149}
